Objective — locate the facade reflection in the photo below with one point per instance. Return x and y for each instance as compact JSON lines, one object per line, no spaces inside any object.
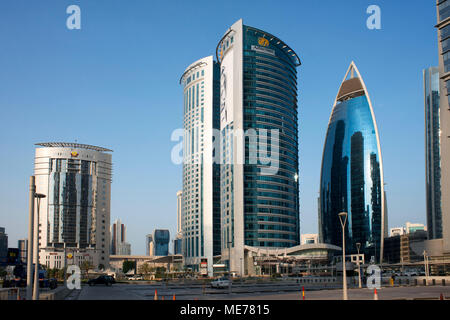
{"x":352,"y":174}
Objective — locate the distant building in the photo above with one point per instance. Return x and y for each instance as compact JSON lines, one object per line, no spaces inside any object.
{"x":22,"y":244}
{"x":406,"y":248}
{"x":123,"y":249}
{"x":161,"y":240}
{"x":177,"y":246}
{"x":398,"y":231}
{"x":119,"y":246}
{"x":413,"y":227}
{"x":3,"y":246}
{"x":433,"y":152}
{"x":149,"y":245}
{"x":309,"y":238}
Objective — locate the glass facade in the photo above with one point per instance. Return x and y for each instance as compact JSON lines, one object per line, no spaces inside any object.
{"x":71,"y":206}
{"x":351,"y":177}
{"x":444,"y":10}
{"x":161,"y":239}
{"x":271,"y":208}
{"x":433,"y":152}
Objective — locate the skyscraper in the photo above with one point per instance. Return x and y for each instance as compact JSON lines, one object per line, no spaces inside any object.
{"x":259,"y":153}
{"x":433,"y":152}
{"x":200,"y":209}
{"x":119,"y":246}
{"x":75,"y":214}
{"x":22,"y":245}
{"x":149,"y":245}
{"x":443,"y":26}
{"x":3,"y":246}
{"x":352,"y":172}
{"x":161,"y":240}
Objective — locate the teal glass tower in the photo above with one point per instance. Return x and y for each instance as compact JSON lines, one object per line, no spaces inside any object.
{"x":352,"y":172}
{"x":259,"y":175}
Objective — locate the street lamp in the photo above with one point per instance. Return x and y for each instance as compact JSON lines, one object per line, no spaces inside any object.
{"x":358,"y":247}
{"x":425,"y":262}
{"x":229,"y":266}
{"x":343,"y":219}
{"x":38,"y":197}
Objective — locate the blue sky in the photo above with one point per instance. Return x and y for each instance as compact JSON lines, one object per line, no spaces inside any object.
{"x":114,"y":83}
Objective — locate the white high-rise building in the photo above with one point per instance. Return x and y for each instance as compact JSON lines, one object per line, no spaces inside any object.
{"x":74,"y":216}
{"x":200,"y":209}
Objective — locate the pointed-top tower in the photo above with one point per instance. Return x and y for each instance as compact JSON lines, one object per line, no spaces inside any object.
{"x":352,"y":172}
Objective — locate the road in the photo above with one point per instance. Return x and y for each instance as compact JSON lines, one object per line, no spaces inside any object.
{"x":249,"y":292}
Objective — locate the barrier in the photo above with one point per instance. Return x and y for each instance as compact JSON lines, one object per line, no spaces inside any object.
{"x":9,"y":294}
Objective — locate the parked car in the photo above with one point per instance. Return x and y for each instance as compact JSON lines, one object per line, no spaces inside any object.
{"x":221,"y":283}
{"x":135,"y":277}
{"x":106,"y":280}
{"x":113,"y":280}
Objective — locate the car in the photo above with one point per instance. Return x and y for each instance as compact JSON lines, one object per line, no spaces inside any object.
{"x":111,"y":278}
{"x":135,"y":277}
{"x":221,"y":283}
{"x":51,"y":283}
{"x":106,"y":280}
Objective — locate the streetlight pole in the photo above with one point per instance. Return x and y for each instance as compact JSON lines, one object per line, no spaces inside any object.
{"x":38,"y":196}
{"x":30,"y":240}
{"x":425,"y":262}
{"x":229,"y":266}
{"x":343,"y":220}
{"x":358,"y":247}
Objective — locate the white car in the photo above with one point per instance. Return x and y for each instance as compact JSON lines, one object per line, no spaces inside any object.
{"x":136,"y":277}
{"x":220,"y":283}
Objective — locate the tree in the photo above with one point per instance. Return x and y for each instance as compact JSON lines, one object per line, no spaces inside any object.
{"x":3,"y":273}
{"x":145,"y":269}
{"x":101,"y":267}
{"x":86,"y":266}
{"x":128,"y":265}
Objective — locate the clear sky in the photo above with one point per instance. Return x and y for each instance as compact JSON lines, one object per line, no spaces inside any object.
{"x":114,"y":83}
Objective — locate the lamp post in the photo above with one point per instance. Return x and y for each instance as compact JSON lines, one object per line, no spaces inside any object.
{"x":425,"y":262}
{"x":30,"y":240}
{"x":38,"y":196}
{"x":343,"y":220}
{"x":358,"y":247}
{"x":229,"y":266}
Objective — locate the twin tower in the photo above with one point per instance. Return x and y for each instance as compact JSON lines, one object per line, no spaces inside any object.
{"x":240,"y":155}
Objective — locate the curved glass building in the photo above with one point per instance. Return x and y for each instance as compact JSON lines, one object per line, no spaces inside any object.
{"x":259,"y":173}
{"x":352,"y":172}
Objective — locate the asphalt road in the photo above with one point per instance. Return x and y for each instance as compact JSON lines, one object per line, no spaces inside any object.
{"x":250,"y":292}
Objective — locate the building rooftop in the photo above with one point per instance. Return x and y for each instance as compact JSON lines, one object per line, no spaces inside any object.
{"x":72,"y":145}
